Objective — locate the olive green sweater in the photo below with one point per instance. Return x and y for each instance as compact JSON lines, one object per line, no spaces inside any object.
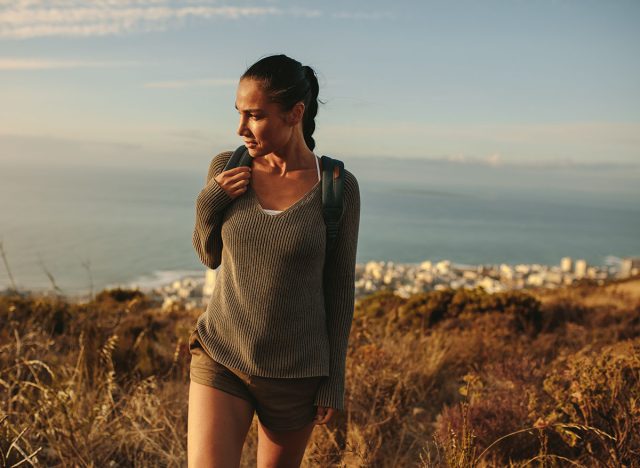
{"x":281,"y":306}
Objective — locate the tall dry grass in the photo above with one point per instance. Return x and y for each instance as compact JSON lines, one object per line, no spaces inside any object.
{"x":449,"y":378}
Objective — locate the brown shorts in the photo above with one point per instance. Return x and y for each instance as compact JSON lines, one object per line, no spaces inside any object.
{"x":282,"y":404}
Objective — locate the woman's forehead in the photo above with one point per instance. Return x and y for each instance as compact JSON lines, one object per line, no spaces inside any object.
{"x":250,"y":96}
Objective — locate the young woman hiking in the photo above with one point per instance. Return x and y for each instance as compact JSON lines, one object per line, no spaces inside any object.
{"x":273,"y":338}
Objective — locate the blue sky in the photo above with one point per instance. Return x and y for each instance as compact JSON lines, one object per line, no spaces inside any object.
{"x":545,"y":82}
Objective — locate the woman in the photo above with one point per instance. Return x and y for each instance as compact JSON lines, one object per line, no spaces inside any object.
{"x":274,"y":336}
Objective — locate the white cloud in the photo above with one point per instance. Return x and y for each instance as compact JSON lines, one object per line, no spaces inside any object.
{"x":27,"y":19}
{"x":363,"y":15}
{"x":20,"y":64}
{"x":190,"y":83}
{"x":494,"y":159}
{"x":492,"y":144}
{"x":565,"y":132}
{"x":24,"y":19}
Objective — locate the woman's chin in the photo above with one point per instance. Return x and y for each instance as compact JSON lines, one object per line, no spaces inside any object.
{"x":252,"y":150}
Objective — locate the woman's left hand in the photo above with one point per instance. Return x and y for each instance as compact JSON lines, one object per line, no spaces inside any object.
{"x":323,"y":415}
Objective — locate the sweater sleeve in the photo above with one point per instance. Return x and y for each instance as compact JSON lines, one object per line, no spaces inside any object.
{"x":210,"y":206}
{"x":339,"y":292}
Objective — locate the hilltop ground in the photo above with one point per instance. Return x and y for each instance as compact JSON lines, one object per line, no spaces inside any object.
{"x":447,"y":378}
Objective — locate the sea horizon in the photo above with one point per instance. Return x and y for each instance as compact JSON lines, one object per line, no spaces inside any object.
{"x":125,"y":225}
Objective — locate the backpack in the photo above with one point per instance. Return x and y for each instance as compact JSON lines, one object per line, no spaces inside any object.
{"x":332,"y":190}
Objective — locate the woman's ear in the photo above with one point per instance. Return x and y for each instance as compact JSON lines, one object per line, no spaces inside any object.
{"x":296,"y":114}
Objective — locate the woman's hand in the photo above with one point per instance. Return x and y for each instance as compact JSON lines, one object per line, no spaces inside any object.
{"x":234,"y":181}
{"x":323,"y":415}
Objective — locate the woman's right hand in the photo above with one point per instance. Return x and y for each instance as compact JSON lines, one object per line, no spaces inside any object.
{"x":234,"y":181}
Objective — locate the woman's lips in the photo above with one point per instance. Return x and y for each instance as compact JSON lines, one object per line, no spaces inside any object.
{"x":250,"y":143}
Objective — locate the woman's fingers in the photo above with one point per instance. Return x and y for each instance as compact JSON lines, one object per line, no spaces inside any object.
{"x":323,"y":415}
{"x":236,"y":171}
{"x":320,"y":414}
{"x":234,"y":181}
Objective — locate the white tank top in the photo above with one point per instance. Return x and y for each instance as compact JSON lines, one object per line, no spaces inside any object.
{"x":274,"y":212}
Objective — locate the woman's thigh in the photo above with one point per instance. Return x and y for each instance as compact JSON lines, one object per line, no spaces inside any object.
{"x":284,"y":449}
{"x":217,"y":427}
{"x":285,"y":418}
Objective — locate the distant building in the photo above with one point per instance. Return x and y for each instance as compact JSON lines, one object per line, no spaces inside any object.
{"x":566,"y":264}
{"x":581,"y":268}
{"x":443,"y":266}
{"x":426,"y":265}
{"x":506,"y":272}
{"x":630,"y":266}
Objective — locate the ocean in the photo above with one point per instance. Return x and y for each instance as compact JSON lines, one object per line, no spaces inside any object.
{"x":81,"y":226}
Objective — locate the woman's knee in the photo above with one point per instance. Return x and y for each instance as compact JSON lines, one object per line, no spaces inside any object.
{"x":282,"y":448}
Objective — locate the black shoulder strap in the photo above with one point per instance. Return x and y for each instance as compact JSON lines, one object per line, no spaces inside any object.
{"x":240,"y":157}
{"x":332,"y":195}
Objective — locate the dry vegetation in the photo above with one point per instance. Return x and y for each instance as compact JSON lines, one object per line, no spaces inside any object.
{"x":449,"y":378}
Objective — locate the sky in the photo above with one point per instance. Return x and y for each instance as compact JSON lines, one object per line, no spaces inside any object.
{"x":496,"y":82}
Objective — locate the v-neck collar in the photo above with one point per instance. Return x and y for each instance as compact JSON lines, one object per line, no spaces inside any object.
{"x":291,"y":207}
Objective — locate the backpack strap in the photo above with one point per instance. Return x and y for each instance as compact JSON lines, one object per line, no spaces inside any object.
{"x":240,"y":157}
{"x":332,"y":195}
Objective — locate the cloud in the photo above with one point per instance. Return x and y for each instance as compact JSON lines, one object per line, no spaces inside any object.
{"x":363,"y":15}
{"x":191,"y":83}
{"x":493,"y":160}
{"x":566,"y":133}
{"x":26,"y":19}
{"x":630,"y":131}
{"x":536,"y":144}
{"x":20,"y":64}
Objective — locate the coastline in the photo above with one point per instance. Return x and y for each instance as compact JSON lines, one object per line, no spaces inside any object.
{"x":191,"y":288}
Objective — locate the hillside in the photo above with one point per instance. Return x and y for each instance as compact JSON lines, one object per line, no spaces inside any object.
{"x":447,"y":378}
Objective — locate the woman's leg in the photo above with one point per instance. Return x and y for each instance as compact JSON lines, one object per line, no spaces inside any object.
{"x":282,"y":449}
{"x":217,"y":427}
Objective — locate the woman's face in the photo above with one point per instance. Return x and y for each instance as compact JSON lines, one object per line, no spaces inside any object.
{"x":263,"y":126}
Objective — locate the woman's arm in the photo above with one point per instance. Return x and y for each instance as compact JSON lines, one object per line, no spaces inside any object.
{"x":210,"y":206}
{"x":339,"y":292}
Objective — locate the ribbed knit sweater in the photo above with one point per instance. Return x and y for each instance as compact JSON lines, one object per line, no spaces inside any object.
{"x":281,"y":306}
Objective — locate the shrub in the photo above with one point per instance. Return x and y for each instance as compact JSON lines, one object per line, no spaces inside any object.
{"x":598,"y":390}
{"x":424,"y":310}
{"x":119,"y":295}
{"x":373,"y":312}
{"x":555,"y":314}
{"x":500,"y":401}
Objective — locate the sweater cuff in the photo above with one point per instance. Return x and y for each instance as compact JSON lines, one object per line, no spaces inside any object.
{"x":330,"y":393}
{"x":212,"y":199}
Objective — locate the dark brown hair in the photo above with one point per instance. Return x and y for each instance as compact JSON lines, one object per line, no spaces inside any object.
{"x":286,"y":81}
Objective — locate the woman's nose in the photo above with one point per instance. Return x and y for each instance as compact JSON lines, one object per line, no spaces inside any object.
{"x":242,"y":127}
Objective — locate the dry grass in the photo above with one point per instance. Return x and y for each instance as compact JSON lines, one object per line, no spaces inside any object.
{"x":455,"y":379}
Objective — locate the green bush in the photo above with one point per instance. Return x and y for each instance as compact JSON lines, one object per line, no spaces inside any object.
{"x":422,"y":311}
